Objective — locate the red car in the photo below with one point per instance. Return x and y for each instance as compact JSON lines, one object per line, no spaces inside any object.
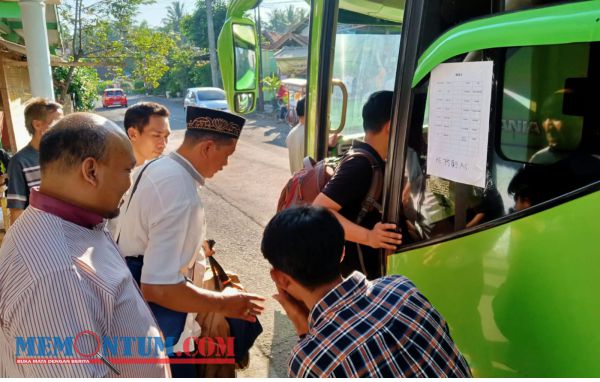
{"x":114,"y":96}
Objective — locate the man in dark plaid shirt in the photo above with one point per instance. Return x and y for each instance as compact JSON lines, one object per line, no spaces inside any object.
{"x":351,"y":327}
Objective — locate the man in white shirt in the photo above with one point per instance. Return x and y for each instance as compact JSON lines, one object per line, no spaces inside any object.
{"x":295,"y":140}
{"x":147,"y":126}
{"x":163,"y":227}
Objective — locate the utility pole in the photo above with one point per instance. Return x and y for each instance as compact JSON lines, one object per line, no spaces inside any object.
{"x":261,"y":99}
{"x":212,"y":50}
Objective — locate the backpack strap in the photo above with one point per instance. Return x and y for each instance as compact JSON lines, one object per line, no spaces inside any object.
{"x":370,"y":200}
{"x":308,"y":162}
{"x":376,"y":187}
{"x":135,"y":186}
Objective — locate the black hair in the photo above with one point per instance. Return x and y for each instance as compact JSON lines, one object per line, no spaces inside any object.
{"x":194,"y":136}
{"x":377,"y":111}
{"x":73,"y":139}
{"x":306,"y":243}
{"x":300,"y":107}
{"x":138,"y":115}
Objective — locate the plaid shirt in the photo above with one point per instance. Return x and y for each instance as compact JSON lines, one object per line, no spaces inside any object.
{"x":380,"y":328}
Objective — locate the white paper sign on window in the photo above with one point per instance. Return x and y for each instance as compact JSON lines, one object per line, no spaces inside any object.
{"x":459,"y":121}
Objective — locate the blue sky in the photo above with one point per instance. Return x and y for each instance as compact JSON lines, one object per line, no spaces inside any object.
{"x":154,"y":13}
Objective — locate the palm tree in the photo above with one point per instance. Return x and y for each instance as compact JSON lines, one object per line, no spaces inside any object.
{"x":174,"y":15}
{"x":281,"y":20}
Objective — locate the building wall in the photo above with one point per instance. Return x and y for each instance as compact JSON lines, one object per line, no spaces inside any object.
{"x":15,"y":91}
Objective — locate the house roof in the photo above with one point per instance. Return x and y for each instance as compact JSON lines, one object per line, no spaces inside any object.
{"x":11,"y":24}
{"x":294,"y":35}
{"x":20,"y":52}
{"x":271,"y":36}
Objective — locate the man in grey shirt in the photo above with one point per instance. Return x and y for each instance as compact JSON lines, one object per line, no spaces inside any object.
{"x":24,"y":167}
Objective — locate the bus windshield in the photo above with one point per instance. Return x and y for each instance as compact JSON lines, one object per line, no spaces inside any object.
{"x":365,"y":61}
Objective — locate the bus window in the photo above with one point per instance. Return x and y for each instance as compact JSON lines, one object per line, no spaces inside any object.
{"x":535,"y":126}
{"x":544,"y":141}
{"x":365,"y":61}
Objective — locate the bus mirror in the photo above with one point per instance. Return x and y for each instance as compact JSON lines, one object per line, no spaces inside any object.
{"x":238,"y":57}
{"x":244,"y":43}
{"x":244,"y":102}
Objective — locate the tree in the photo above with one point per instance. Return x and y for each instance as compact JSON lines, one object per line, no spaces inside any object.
{"x":193,"y":26}
{"x":84,"y":85}
{"x":281,"y":20}
{"x":95,"y":32}
{"x":149,"y":50}
{"x":272,"y":84}
{"x":175,"y":13}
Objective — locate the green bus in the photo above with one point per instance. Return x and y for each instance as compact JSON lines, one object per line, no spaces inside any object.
{"x":510,"y":260}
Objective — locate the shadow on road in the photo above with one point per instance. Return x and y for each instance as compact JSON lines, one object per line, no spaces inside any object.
{"x":282,"y":345}
{"x":275,"y":131}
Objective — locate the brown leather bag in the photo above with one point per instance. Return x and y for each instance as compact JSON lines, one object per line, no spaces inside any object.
{"x":215,"y":325}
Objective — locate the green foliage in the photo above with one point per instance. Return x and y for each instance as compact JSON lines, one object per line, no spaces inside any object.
{"x":281,"y":20}
{"x":84,"y":85}
{"x":149,"y":50}
{"x":96,"y":31}
{"x":169,"y":58}
{"x":201,"y":75}
{"x":175,"y":13}
{"x":104,"y":85}
{"x":271,"y":83}
{"x":186,"y":71}
{"x":270,"y":86}
{"x":126,"y":85}
{"x":194,"y":28}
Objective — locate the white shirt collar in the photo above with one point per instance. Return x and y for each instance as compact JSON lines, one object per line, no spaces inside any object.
{"x":188,"y":167}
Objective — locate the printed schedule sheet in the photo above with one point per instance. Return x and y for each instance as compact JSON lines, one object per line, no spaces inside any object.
{"x":459,"y":121}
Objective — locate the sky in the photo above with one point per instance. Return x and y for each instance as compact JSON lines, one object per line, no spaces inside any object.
{"x":154,"y":13}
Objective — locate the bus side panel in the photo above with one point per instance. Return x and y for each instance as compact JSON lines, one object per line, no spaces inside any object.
{"x":521,"y":299}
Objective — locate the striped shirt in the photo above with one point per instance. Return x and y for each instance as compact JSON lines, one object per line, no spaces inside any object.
{"x":23,"y":174}
{"x":61,"y":274}
{"x":380,"y":328}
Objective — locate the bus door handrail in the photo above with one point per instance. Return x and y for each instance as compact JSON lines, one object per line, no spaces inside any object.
{"x":344,"y":90}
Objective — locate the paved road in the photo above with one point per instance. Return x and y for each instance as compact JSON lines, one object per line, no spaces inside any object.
{"x":239,"y":203}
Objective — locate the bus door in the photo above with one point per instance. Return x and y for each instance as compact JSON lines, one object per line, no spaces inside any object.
{"x":357,"y":46}
{"x":489,"y":254}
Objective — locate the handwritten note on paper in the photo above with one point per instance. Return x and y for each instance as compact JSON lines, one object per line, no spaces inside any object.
{"x":459,"y":121}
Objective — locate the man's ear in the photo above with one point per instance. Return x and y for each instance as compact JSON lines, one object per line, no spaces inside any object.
{"x":280,"y":279}
{"x":387,"y":127}
{"x":37,"y":124}
{"x":205,"y":147}
{"x":89,"y":171}
{"x":133,"y":133}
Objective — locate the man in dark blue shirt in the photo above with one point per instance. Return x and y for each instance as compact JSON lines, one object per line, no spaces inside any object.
{"x":351,"y":327}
